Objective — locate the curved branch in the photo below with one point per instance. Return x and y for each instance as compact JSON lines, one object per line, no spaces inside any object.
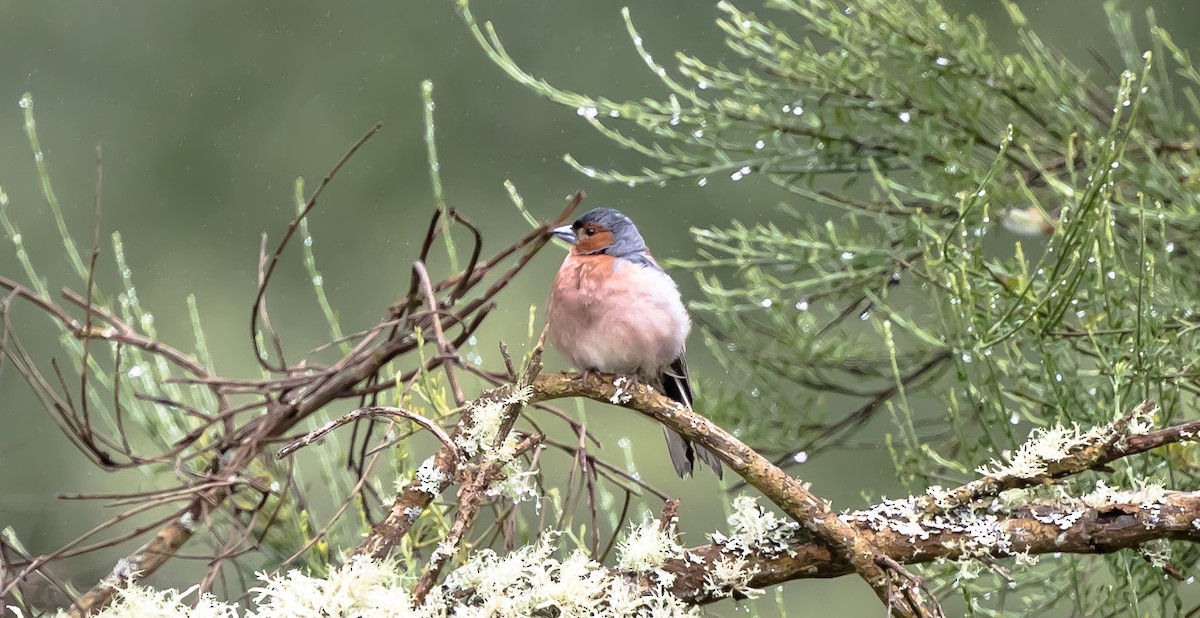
{"x":792,"y":496}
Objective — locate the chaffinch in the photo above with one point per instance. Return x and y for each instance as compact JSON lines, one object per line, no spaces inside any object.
{"x":613,"y":309}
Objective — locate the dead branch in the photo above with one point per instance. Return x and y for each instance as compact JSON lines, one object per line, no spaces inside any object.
{"x":470,"y":498}
{"x":917,"y":530}
{"x":317,"y":434}
{"x":786,"y":492}
{"x":1118,"y":443}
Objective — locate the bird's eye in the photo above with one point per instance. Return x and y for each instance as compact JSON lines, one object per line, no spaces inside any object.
{"x":590,"y":231}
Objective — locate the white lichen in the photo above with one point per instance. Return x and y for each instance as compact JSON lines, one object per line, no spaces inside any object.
{"x":429,"y":478}
{"x":755,"y":530}
{"x":1047,"y":446}
{"x":647,"y":547}
{"x":1157,"y":553}
{"x":941,"y":497}
{"x":1044,"y":447}
{"x":528,"y":581}
{"x":361,"y":587}
{"x":731,"y":575}
{"x":124,"y":570}
{"x":486,"y":415}
{"x":444,"y":550}
{"x":1026,"y":559}
{"x":1149,"y":496}
{"x":620,"y":393}
{"x":900,"y":516}
{"x":516,"y":485}
{"x":1063,"y":519}
{"x":139,"y":602}
{"x":532,"y":580}
{"x":977,"y":531}
{"x":1142,"y":420}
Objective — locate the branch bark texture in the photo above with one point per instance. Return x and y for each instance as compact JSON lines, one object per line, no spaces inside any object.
{"x":1039,"y":528}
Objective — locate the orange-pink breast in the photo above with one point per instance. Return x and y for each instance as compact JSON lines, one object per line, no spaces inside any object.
{"x":616,"y":316}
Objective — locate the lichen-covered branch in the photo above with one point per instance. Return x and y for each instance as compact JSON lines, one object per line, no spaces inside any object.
{"x":792,"y":496}
{"x":789,"y":494}
{"x":1061,"y":452}
{"x":654,"y":575}
{"x":1102,"y":523}
{"x":485,"y":426}
{"x":470,"y":498}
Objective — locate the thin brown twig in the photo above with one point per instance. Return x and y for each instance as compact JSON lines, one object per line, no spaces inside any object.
{"x":287,"y":235}
{"x":447,"y":350}
{"x":317,"y":434}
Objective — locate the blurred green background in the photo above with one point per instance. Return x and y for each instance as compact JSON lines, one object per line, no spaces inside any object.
{"x":207,"y":112}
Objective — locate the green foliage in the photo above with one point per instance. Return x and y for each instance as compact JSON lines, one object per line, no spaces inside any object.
{"x":895,"y":294}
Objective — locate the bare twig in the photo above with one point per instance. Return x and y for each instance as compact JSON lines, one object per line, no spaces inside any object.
{"x":319,"y":433}
{"x":269,"y":268}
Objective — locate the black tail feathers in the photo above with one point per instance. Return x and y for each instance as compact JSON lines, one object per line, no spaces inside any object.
{"x":675,"y":385}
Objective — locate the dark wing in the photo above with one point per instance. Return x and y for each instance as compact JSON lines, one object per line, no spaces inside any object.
{"x":677,"y":387}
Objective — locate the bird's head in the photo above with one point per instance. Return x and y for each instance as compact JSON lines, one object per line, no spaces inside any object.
{"x":602,"y":230}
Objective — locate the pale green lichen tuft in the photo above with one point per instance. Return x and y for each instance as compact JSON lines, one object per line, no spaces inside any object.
{"x":1044,"y":447}
{"x":139,"y":602}
{"x":516,"y":485}
{"x":1047,"y":446}
{"x":730,"y":575}
{"x":1157,"y":553}
{"x":362,"y":587}
{"x":980,"y":531}
{"x":486,"y":416}
{"x":647,"y":547}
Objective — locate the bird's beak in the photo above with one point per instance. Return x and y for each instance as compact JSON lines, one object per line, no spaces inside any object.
{"x":565,"y":233}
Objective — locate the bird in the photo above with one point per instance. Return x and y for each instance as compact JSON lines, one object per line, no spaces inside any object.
{"x":613,"y":309}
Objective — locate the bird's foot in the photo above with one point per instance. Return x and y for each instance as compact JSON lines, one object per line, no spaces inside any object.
{"x":630,"y":380}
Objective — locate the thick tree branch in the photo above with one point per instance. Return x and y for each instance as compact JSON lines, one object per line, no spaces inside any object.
{"x":957,"y":524}
{"x":1133,"y":518}
{"x":789,"y":494}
